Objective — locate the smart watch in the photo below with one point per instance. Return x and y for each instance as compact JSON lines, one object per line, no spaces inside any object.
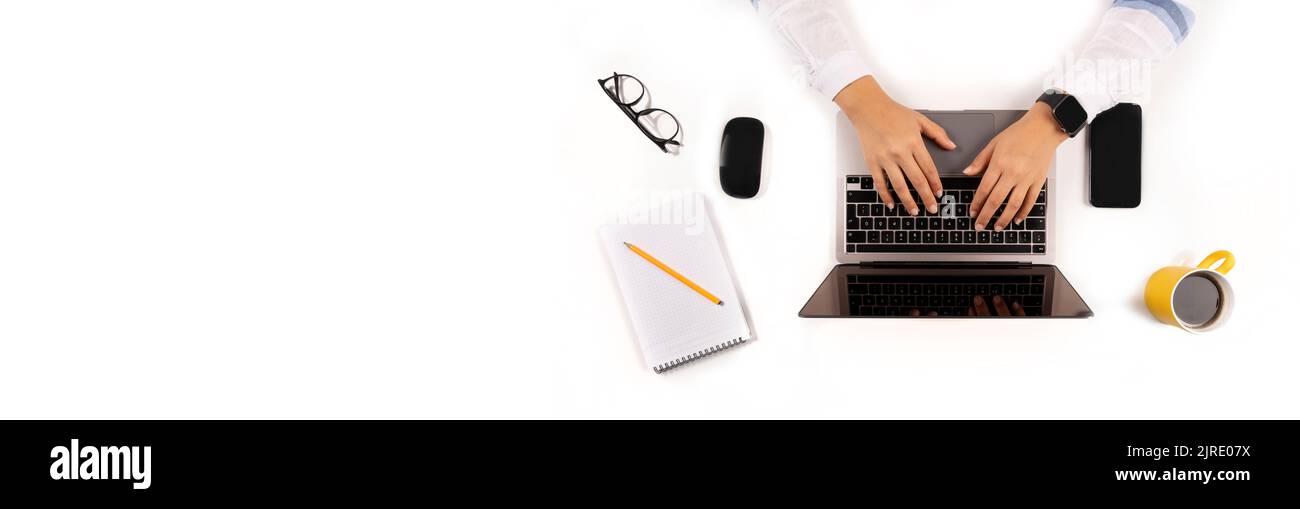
{"x":1069,"y":114}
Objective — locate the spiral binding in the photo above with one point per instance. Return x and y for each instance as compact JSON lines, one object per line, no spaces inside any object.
{"x":698,"y":355}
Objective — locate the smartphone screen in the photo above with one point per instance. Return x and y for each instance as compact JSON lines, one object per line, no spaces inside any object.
{"x":1115,"y":157}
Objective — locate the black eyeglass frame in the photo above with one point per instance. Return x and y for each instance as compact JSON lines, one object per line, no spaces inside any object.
{"x":633,"y":115}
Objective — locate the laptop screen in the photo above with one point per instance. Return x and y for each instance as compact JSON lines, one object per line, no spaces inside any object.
{"x":945,"y":291}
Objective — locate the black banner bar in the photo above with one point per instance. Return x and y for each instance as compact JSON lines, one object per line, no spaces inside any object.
{"x":156,"y":460}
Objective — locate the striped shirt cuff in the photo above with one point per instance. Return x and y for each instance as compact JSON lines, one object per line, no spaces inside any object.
{"x":1176,"y":17}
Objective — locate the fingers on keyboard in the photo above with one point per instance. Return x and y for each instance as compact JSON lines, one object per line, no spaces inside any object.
{"x":871,"y":226}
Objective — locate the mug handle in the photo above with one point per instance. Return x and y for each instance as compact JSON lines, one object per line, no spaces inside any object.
{"x":1225,"y":256}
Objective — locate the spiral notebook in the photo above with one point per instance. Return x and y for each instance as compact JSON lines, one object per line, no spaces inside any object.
{"x":674,"y":324}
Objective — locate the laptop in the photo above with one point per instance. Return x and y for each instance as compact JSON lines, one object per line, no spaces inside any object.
{"x":892,"y":264}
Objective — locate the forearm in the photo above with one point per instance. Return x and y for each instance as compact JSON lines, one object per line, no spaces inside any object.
{"x":812,"y":29}
{"x":1115,"y":66}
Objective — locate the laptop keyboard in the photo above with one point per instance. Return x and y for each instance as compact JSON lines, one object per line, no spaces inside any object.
{"x":943,"y":296}
{"x":870,"y":227}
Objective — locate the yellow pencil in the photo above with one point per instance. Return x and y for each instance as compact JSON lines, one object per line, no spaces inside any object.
{"x":674,"y":273}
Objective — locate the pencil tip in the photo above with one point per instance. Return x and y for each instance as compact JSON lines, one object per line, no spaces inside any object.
{"x":719,"y":303}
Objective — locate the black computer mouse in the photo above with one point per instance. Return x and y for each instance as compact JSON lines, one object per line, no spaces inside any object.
{"x":740,"y":166}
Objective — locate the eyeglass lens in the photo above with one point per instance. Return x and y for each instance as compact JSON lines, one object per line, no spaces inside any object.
{"x":658,"y":123}
{"x":628,"y":90}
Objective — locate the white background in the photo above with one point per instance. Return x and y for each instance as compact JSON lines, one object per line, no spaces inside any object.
{"x":279,"y":209}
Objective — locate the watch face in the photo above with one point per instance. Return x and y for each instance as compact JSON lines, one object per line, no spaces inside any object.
{"x":1070,"y":114}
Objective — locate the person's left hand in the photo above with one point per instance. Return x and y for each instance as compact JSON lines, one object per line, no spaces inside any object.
{"x":1015,"y":165}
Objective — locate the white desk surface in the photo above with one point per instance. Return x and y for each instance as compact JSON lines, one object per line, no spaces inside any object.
{"x":284,"y":209}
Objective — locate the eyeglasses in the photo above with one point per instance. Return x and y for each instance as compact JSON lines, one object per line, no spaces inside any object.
{"x":627,"y":92}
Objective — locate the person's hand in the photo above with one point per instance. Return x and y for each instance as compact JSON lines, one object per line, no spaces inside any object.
{"x":890,"y":135}
{"x":1015,"y":165}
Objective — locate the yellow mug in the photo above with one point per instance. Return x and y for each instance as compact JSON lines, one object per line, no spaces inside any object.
{"x":1196,"y":299}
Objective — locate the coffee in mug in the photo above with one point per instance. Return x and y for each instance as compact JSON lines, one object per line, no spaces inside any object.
{"x":1196,"y":299}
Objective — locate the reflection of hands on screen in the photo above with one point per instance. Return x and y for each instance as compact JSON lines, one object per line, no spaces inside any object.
{"x":980,"y":307}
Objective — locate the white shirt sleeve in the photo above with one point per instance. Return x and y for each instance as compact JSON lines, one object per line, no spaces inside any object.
{"x":822,"y":47}
{"x":1115,"y":66}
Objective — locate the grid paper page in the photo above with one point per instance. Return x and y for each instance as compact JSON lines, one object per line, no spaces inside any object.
{"x":672,"y":321}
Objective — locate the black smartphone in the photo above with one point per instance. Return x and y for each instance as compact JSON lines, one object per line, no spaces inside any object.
{"x":1115,"y":157}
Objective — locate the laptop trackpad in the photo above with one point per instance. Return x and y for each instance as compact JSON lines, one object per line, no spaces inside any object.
{"x":971,"y":131}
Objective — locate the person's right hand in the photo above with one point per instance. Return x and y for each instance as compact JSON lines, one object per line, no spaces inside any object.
{"x":890,"y":135}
